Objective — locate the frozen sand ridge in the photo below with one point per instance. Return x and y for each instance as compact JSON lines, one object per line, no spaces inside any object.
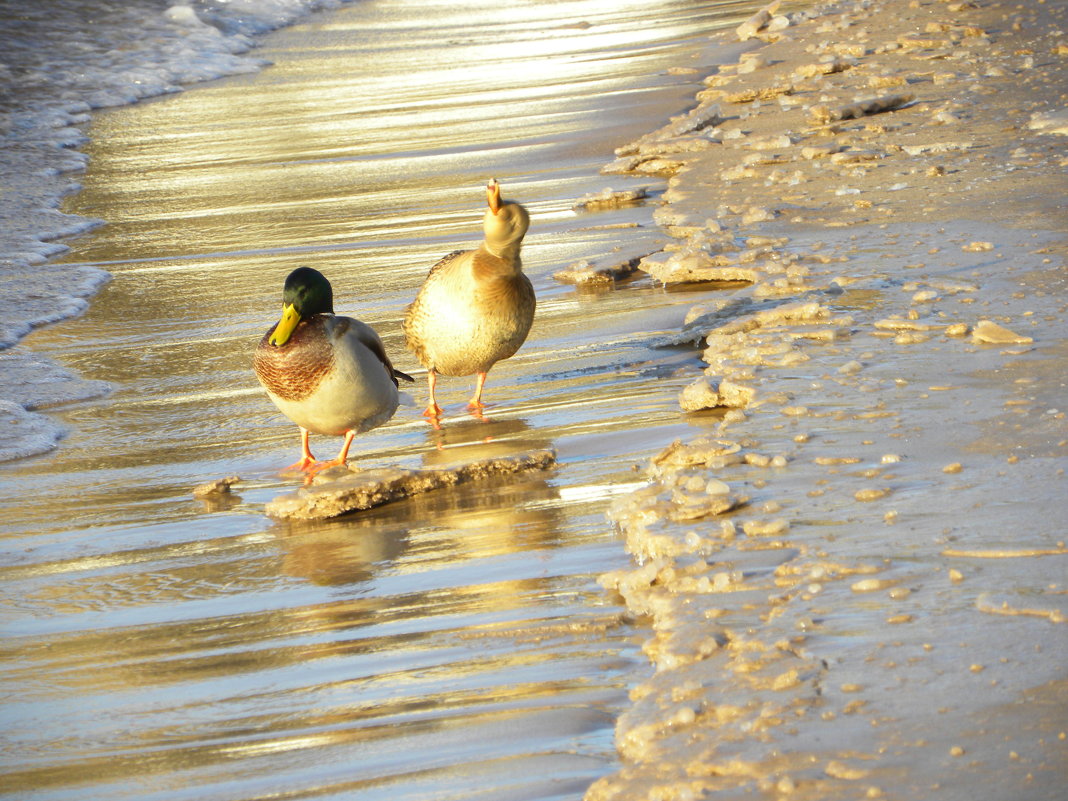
{"x":347,"y":488}
{"x":854,"y":585}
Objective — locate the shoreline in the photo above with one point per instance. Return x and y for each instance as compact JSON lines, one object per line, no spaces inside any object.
{"x":854,"y":586}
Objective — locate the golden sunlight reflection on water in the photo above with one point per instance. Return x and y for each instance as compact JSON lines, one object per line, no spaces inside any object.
{"x":455,"y":644}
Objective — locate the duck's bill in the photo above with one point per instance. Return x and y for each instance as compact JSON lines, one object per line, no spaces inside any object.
{"x":284,"y":330}
{"x":493,"y":195}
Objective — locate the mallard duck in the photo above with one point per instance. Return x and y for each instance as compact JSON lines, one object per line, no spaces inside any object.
{"x":328,"y":374}
{"x":476,"y":306}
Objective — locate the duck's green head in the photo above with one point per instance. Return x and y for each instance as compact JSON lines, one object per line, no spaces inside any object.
{"x":306,"y":293}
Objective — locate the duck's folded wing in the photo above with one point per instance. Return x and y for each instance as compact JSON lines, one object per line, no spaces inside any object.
{"x":370,"y":339}
{"x":446,"y":261}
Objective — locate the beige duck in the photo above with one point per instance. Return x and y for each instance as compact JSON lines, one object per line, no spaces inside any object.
{"x":326,"y":373}
{"x":476,"y":306}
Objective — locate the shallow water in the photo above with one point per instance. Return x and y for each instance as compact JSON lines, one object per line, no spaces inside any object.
{"x":451,"y":646}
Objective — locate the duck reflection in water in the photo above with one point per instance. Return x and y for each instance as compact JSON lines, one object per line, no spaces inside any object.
{"x":343,"y":552}
{"x":481,"y":438}
{"x":469,"y":521}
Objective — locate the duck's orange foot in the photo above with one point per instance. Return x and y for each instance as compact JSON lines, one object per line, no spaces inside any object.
{"x":433,"y":410}
{"x":305,"y":463}
{"x":318,"y":467}
{"x":313,"y":470}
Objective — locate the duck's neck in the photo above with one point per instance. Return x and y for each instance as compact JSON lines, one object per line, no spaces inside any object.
{"x":507,"y":252}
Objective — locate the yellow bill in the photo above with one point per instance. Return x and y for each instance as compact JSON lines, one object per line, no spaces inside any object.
{"x":284,"y":330}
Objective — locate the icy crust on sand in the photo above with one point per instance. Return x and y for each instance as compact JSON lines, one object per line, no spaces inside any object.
{"x":853,"y":582}
{"x":346,"y":489}
{"x":58,"y":61}
{"x":784,"y":596}
{"x":821,"y":573}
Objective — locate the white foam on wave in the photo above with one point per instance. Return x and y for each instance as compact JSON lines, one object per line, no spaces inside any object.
{"x":24,"y":434}
{"x":55,"y":68}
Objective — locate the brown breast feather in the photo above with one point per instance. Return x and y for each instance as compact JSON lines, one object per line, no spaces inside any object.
{"x":294,"y":370}
{"x":501,"y":288}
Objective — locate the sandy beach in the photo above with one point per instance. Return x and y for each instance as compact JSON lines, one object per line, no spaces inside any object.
{"x":769,"y":504}
{"x":855,"y":587}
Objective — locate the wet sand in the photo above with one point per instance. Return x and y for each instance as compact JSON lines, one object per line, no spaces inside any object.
{"x":855,"y":587}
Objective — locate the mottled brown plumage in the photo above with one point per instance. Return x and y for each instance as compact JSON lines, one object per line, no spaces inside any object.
{"x":293,"y":373}
{"x":476,"y":306}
